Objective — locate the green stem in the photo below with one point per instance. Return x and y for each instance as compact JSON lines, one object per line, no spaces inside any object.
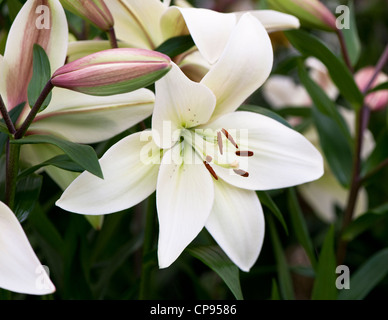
{"x":12,"y":167}
{"x":6,"y":117}
{"x":34,"y":111}
{"x":148,"y":243}
{"x":113,"y":38}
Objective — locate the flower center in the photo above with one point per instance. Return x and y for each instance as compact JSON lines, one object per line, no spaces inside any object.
{"x":219,"y":148}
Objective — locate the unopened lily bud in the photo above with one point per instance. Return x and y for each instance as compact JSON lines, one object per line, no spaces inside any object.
{"x":95,"y":11}
{"x":376,"y":100}
{"x":311,"y":13}
{"x":112,"y":71}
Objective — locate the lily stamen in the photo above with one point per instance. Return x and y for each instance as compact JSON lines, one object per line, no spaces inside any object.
{"x":211,"y":170}
{"x":229,"y":137}
{"x":242,"y":173}
{"x":244,"y":153}
{"x":219,"y":140}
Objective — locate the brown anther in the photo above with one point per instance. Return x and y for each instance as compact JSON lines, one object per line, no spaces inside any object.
{"x":244,"y":153}
{"x":229,"y":137}
{"x":241,"y":173}
{"x":212,"y":172}
{"x":208,"y":159}
{"x":219,"y":140}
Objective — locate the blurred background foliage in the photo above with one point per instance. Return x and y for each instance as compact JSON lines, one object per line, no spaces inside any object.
{"x":106,"y":264}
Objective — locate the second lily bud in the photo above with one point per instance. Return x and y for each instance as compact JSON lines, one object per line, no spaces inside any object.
{"x":112,"y":71}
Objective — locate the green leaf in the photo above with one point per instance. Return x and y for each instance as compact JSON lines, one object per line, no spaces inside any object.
{"x":83,"y":155}
{"x":364,"y":222}
{"x":300,"y":227}
{"x":265,"y":112}
{"x":324,"y":284}
{"x":310,"y":45}
{"x":321,"y":101}
{"x":352,"y":40}
{"x":216,"y":259}
{"x":335,"y":147}
{"x":275,"y":294}
{"x":40,"y":76}
{"x":284,"y":275}
{"x":266,"y":200}
{"x":381,"y":86}
{"x":62,"y":161}
{"x":379,"y":154}
{"x":367,"y":276}
{"x":3,"y":128}
{"x":14,"y":7}
{"x":176,"y":45}
{"x":27,"y":195}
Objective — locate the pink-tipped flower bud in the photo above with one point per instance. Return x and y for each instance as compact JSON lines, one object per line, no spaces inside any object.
{"x":311,"y":13}
{"x":112,"y":71}
{"x":95,"y":11}
{"x":375,"y":100}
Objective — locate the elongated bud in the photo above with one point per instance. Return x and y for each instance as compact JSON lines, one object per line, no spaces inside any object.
{"x":311,"y":13}
{"x":95,"y":11}
{"x":375,"y":100}
{"x":112,"y":71}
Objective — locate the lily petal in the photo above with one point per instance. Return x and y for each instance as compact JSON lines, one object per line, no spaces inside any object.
{"x":184,"y":195}
{"x":276,"y":21}
{"x":24,"y":33}
{"x":127,"y":181}
{"x":20,"y":269}
{"x":237,"y":74}
{"x":137,"y":22}
{"x":80,"y":118}
{"x":282,"y":156}
{"x":209,"y":29}
{"x":324,"y":194}
{"x":237,"y":224}
{"x":180,"y":103}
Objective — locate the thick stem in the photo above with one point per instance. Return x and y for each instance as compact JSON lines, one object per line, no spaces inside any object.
{"x":112,"y":38}
{"x":6,"y":117}
{"x":147,"y":264}
{"x":12,"y":167}
{"x":34,"y":111}
{"x":356,"y":180}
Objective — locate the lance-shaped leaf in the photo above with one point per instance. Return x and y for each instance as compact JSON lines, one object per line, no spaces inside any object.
{"x":112,"y":71}
{"x":95,"y":11}
{"x":84,"y":155}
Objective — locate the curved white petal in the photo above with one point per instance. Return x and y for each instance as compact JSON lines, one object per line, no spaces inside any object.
{"x":282,"y":157}
{"x":137,"y":22}
{"x":276,"y":21}
{"x":281,"y":91}
{"x":209,"y":29}
{"x":20,"y":269}
{"x":83,"y":118}
{"x":180,"y":103}
{"x":324,"y":194}
{"x":46,"y":26}
{"x":184,"y":195}
{"x":130,"y":169}
{"x":243,"y":67}
{"x":237,"y":224}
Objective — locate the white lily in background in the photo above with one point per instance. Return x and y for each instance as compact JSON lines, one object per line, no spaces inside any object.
{"x":71,"y":115}
{"x":20,"y":269}
{"x":148,"y":23}
{"x":324,"y":194}
{"x":204,"y":170}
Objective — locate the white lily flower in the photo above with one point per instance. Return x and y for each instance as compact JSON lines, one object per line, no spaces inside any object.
{"x":203,"y":173}
{"x":70,"y":115}
{"x":324,"y":194}
{"x":148,"y":23}
{"x":20,"y":269}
